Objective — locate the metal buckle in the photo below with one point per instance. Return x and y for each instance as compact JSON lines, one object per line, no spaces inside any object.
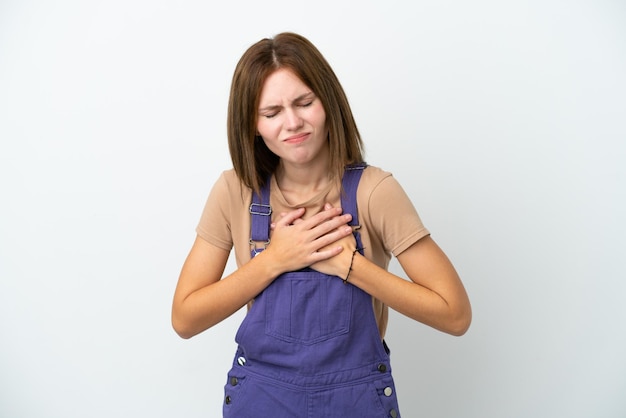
{"x":257,"y":250}
{"x":268,"y":212}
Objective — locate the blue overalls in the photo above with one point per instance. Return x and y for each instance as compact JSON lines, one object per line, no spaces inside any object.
{"x":310,"y":346}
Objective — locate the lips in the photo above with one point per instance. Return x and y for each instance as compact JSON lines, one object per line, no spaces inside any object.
{"x":297,"y":139}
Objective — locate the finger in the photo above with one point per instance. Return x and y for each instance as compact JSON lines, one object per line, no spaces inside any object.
{"x":326,"y":253}
{"x":333,"y":238}
{"x":334,"y":223}
{"x":289,"y":217}
{"x":327,"y":215}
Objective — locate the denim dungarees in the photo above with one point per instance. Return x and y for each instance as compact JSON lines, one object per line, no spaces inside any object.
{"x":310,"y":346}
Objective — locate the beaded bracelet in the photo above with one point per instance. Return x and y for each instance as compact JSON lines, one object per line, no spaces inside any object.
{"x":345,"y":281}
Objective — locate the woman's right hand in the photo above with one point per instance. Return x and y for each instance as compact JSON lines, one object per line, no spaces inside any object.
{"x":297,"y":243}
{"x":202,"y":300}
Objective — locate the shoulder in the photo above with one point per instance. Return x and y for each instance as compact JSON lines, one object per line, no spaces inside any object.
{"x":380,"y":189}
{"x":228,"y":193}
{"x":374,"y":177}
{"x":374,"y":173}
{"x":229,"y":183}
{"x":229,"y":177}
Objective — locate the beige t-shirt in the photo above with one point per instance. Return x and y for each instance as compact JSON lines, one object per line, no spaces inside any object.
{"x":389,"y":222}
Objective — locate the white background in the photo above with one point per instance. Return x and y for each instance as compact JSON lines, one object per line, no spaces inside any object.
{"x":504,"y":121}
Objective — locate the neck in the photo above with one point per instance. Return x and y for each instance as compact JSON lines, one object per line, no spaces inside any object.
{"x":303,"y":178}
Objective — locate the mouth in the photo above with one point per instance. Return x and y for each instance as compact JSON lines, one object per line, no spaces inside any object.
{"x":297,"y":139}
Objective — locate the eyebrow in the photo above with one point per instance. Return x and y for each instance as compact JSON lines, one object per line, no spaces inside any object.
{"x":305,"y":96}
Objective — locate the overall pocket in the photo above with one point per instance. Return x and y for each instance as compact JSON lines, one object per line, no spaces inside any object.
{"x":308,"y":307}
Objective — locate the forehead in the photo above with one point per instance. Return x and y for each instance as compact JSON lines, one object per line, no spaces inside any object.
{"x":282,"y":85}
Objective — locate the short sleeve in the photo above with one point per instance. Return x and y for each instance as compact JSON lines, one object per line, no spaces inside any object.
{"x":394,"y":216}
{"x":215,"y":221}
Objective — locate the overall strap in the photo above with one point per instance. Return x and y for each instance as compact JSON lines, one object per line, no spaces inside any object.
{"x":261,"y":217}
{"x":261,"y":211}
{"x":350,"y":183}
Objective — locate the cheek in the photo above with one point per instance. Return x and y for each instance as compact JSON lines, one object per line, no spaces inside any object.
{"x":266,"y":129}
{"x":321,"y":118}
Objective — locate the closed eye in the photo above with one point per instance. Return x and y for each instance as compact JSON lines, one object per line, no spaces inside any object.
{"x":303,"y":101}
{"x":270,"y":112}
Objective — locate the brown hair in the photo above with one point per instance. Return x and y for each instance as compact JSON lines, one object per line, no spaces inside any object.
{"x":252,"y":160}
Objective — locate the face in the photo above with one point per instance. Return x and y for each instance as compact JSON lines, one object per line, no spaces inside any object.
{"x":291,"y":120}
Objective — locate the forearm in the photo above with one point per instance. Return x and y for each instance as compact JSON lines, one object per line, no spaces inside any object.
{"x":203,"y":299}
{"x":447,"y":311}
{"x":215,"y":302}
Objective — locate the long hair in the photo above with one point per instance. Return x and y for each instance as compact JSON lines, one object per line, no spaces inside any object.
{"x":252,"y":160}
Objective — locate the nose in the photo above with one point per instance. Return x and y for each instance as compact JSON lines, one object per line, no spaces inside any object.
{"x":293,"y":121}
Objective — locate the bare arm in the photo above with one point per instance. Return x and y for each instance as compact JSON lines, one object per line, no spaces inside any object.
{"x":202,"y":300}
{"x":435,"y":295}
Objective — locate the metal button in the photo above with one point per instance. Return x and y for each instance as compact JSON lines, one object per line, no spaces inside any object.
{"x":393,"y":413}
{"x":388,"y":391}
{"x":228,"y":400}
{"x":234,"y":381}
{"x":241,"y":361}
{"x":382,"y":368}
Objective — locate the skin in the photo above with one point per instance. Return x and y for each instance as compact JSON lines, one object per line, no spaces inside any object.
{"x":291,"y":121}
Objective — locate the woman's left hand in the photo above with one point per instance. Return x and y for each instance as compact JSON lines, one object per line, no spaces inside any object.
{"x":339,"y":264}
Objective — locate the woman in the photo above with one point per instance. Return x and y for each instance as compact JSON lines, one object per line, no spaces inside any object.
{"x":313,"y":229}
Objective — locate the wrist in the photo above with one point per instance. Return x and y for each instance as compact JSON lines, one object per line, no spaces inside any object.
{"x":271,"y":266}
{"x":351,"y":266}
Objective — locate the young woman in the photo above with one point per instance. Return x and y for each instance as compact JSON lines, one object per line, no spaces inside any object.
{"x":313,"y":229}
